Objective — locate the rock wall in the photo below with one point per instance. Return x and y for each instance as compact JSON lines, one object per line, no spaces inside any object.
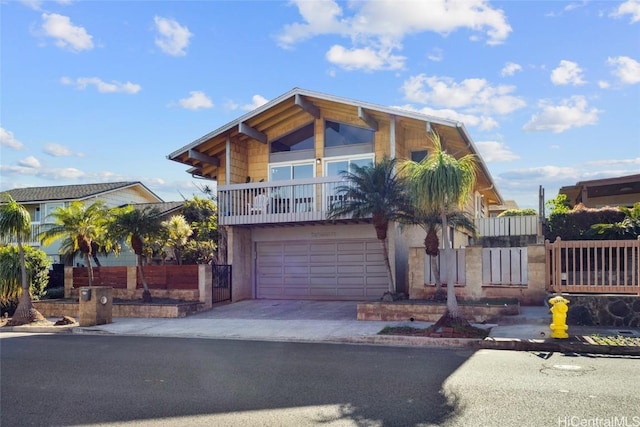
{"x":603,"y":310}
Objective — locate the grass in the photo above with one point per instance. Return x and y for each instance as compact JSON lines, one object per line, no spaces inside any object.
{"x":470,"y":332}
{"x":615,"y":340}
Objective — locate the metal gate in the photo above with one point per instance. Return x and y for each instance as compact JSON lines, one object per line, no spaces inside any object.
{"x":221,"y":283}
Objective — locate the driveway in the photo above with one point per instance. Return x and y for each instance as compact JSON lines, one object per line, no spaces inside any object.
{"x":283,"y":310}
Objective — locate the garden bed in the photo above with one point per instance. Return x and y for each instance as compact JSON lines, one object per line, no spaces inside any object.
{"x":160,"y":307}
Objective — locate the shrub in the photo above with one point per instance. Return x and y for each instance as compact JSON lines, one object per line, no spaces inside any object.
{"x":576,"y":223}
{"x":519,"y":212}
{"x":54,"y":293}
{"x":37,"y":273}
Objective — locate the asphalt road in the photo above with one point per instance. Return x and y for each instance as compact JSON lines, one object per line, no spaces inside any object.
{"x":61,"y":380}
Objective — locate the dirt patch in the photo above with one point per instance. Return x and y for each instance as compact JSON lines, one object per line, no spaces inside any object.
{"x":437,"y":332}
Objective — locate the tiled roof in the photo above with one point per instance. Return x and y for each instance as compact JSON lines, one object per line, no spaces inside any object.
{"x":165,"y":208}
{"x":64,"y":192}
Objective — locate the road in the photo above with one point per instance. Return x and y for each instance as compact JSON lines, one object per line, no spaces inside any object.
{"x":61,"y":380}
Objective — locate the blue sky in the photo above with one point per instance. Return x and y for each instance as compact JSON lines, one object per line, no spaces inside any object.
{"x":104,"y":91}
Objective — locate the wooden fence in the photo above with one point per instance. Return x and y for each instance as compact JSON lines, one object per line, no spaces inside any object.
{"x":593,"y":266}
{"x":504,"y":266}
{"x":157,"y":277}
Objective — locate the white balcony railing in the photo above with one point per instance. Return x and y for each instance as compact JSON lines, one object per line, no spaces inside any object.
{"x":277,"y":202}
{"x":36,"y":229}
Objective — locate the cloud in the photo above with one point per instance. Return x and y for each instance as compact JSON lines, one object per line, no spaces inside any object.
{"x":66,"y":35}
{"x":626,"y":69}
{"x":630,"y":7}
{"x":35,"y":4}
{"x":196,"y":101}
{"x":436,"y":55}
{"x":603,"y":84}
{"x":8,"y":140}
{"x":482,"y":122}
{"x":53,"y":174}
{"x":81,"y":83}
{"x":365,"y":58}
{"x":635,"y":162}
{"x":29,"y":162}
{"x":376,"y":29}
{"x":570,"y":113}
{"x":510,"y":69}
{"x":473,"y":95}
{"x":567,"y":73}
{"x":256,"y":101}
{"x":172,"y":37}
{"x":57,"y":150}
{"x":495,"y":151}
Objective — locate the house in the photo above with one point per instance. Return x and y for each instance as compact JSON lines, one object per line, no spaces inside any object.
{"x":597,"y":193}
{"x":41,"y":201}
{"x":277,"y":168}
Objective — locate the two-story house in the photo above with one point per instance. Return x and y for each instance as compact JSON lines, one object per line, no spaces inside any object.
{"x":277,"y":169}
{"x":41,"y":201}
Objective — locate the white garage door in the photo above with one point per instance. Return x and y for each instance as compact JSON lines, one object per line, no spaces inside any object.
{"x":330,"y":270}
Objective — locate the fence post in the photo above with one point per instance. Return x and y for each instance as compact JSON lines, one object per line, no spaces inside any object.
{"x":205,"y":292}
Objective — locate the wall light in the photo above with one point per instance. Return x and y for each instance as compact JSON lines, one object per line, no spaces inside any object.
{"x":318,"y":161}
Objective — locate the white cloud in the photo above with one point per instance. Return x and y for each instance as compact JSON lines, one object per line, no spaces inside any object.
{"x":8,"y":140}
{"x":567,"y":73}
{"x":365,"y":58}
{"x":66,"y":35}
{"x":495,"y":151}
{"x":376,"y":29}
{"x":231,"y":105}
{"x":256,"y":101}
{"x":626,"y":69}
{"x":57,"y":150}
{"x":474,"y":95}
{"x":81,"y":83}
{"x":436,"y":55}
{"x":616,"y":162}
{"x":570,"y":113}
{"x":172,"y":38}
{"x":29,"y":162}
{"x":196,"y":101}
{"x":35,"y":4}
{"x":481,"y":122}
{"x":54,"y":174}
{"x":630,"y":7}
{"x":510,"y":69}
{"x":603,"y":84}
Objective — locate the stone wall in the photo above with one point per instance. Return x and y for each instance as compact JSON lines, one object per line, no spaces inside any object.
{"x":603,"y":310}
{"x":428,"y":312}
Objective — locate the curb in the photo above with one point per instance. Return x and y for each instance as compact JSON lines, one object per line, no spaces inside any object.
{"x":62,"y":329}
{"x":557,"y":346}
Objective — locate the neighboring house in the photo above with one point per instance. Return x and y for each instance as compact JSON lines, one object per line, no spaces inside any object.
{"x":41,"y":201}
{"x":496,"y":210}
{"x":277,"y":169}
{"x":597,"y":193}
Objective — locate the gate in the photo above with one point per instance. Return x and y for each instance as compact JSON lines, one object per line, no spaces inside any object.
{"x":221,"y":283}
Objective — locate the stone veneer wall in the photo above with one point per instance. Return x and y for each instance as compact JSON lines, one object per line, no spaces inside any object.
{"x":603,"y":310}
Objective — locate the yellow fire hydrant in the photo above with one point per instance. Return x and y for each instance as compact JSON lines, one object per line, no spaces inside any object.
{"x":559,"y":310}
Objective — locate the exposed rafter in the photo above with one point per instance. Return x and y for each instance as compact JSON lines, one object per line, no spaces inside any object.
{"x":247,"y":130}
{"x":307,"y":106}
{"x":201,"y":157}
{"x":367,"y":118}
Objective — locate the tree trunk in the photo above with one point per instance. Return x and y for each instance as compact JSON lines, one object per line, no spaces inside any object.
{"x":25,"y":313}
{"x":146,"y":293}
{"x":87,"y":259}
{"x":452,"y":302}
{"x":385,"y":248}
{"x":435,"y":269}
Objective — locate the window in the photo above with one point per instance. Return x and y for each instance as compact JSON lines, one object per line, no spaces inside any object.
{"x":36,"y":215}
{"x":298,"y":197}
{"x":419,"y":155}
{"x":49,"y":208}
{"x":340,"y":134}
{"x":298,"y":140}
{"x":336,"y":167}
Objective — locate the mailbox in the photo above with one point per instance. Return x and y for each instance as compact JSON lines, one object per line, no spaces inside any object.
{"x":95,"y":306}
{"x":85,"y":294}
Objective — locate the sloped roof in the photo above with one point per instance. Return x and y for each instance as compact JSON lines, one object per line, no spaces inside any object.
{"x":165,"y":208}
{"x":68,"y":192}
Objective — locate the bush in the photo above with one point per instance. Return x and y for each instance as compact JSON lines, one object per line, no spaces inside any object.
{"x":37,"y":273}
{"x":576,"y":223}
{"x":519,"y":212}
{"x":54,"y":293}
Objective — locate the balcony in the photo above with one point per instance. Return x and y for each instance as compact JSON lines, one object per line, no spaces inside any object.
{"x":32,"y":240}
{"x":303,"y":200}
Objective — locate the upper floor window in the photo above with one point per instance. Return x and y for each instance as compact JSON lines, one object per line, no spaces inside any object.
{"x":419,"y":155}
{"x":340,"y":134}
{"x":298,"y":140}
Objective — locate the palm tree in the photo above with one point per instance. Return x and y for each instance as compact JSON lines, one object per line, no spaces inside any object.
{"x":136,"y":226}
{"x":81,"y":226}
{"x":375,"y":191}
{"x":431,"y":223}
{"x":15,"y":222}
{"x":442,"y":183}
{"x":178,"y":231}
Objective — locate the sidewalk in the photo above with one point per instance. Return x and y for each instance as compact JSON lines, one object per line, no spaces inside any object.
{"x":334,"y":322}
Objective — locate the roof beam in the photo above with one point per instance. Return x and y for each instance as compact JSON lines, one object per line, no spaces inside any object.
{"x":201,"y":157}
{"x":367,"y":118}
{"x":307,"y":106}
{"x":247,"y":130}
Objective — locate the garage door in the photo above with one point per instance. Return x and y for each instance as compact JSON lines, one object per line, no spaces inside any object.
{"x":330,"y":270}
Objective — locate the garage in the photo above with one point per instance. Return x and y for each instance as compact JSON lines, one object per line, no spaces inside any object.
{"x":323,"y":269}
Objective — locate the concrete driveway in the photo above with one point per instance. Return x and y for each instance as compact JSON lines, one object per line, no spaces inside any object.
{"x":283,"y":310}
